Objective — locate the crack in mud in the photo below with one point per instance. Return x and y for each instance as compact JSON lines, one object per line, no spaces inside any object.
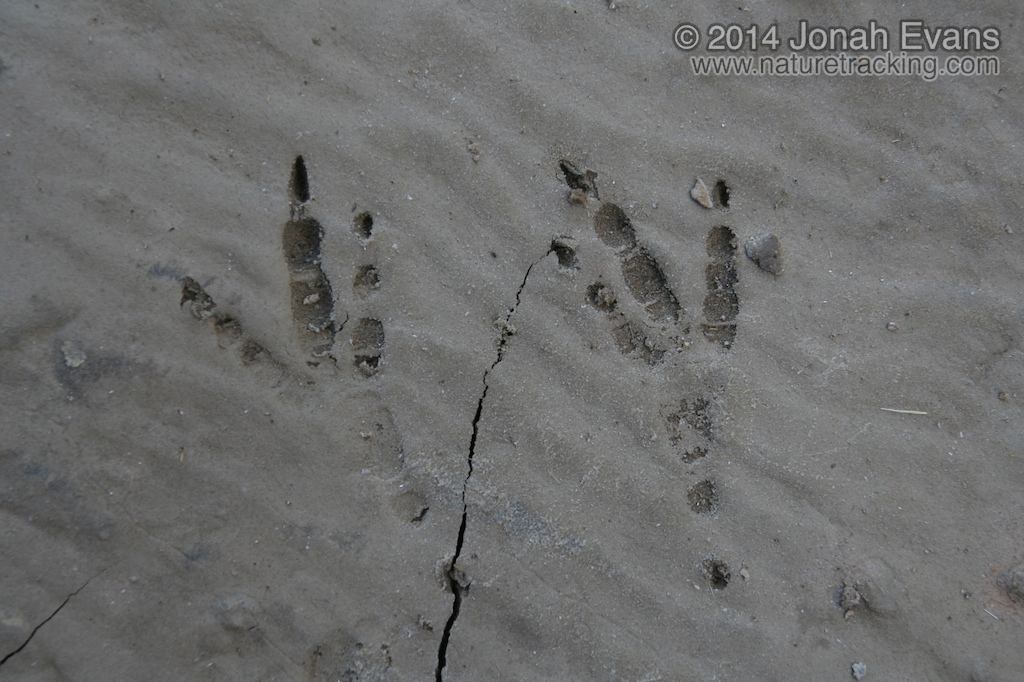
{"x":457,"y":581}
{"x":45,"y":621}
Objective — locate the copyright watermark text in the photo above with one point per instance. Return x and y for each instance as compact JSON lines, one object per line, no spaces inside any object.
{"x":914,"y":49}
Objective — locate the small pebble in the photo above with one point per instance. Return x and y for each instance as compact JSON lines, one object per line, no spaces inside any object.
{"x":700,"y":194}
{"x":766,"y":252}
{"x":859,"y":670}
{"x":74,"y":356}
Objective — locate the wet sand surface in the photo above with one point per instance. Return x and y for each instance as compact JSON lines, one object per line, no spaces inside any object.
{"x":387,"y":342}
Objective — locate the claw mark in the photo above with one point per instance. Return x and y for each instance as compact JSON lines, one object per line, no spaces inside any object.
{"x":457,"y":580}
{"x":45,"y":621}
{"x":300,"y":182}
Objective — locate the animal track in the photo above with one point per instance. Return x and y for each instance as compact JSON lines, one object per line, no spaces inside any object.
{"x":696,"y":414}
{"x":312,"y":297}
{"x":630,"y":338}
{"x":368,"y":335}
{"x":565,"y":250}
{"x":721,"y":305}
{"x":367,"y":280}
{"x":229,"y":330}
{"x":643,"y":278}
{"x":311,"y":294}
{"x":703,"y":497}
{"x":367,"y":341}
{"x":581,"y":183}
{"x":647,"y":283}
{"x":642,"y":274}
{"x":614,"y":228}
{"x":362,"y":225}
{"x":601,"y":297}
{"x":720,"y":195}
{"x":716,"y":572}
{"x":691,"y":424}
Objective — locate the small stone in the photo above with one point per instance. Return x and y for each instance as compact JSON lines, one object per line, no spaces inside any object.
{"x":893,"y":327}
{"x":311,"y":299}
{"x":701,"y":194}
{"x":766,"y":252}
{"x":1004,"y":396}
{"x":849,"y":599}
{"x":577,"y":197}
{"x":73,"y":355}
{"x":859,"y":671}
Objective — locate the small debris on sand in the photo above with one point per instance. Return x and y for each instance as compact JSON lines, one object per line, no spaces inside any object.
{"x":73,"y":355}
{"x":701,"y":194}
{"x":766,"y":252}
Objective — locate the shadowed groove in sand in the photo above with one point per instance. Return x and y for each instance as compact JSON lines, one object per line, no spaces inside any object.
{"x":454,"y":577}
